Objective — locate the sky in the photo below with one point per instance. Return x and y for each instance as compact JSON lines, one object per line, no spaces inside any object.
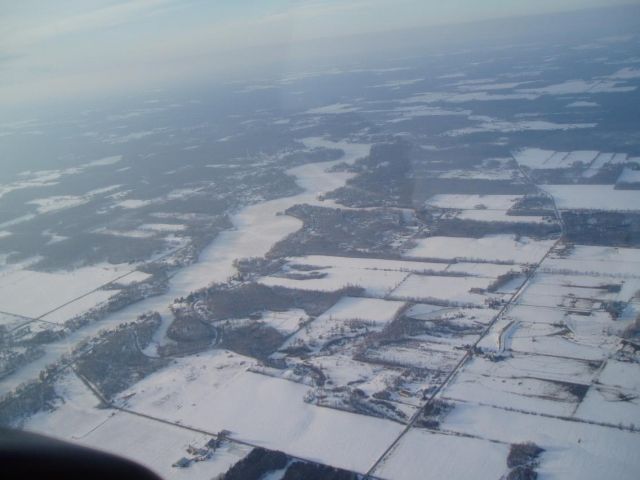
{"x":69,"y":48}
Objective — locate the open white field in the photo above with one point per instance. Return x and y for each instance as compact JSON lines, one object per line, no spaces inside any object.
{"x":492,"y":248}
{"x":329,"y":263}
{"x":470,"y":202}
{"x":593,"y":197}
{"x":600,"y":161}
{"x":594,"y":161}
{"x":76,"y":413}
{"x":342,"y":370}
{"x":620,"y":375}
{"x":499,"y":216}
{"x":10,"y":322}
{"x":158,"y":446}
{"x":367,"y":263}
{"x":536,"y":366}
{"x":615,"y":406}
{"x":436,"y":357}
{"x":629,"y":176}
{"x":32,"y":294}
{"x":287,"y":321}
{"x":425,"y":311}
{"x":153,"y":444}
{"x":563,"y":330}
{"x":533,"y":314}
{"x":455,"y":290}
{"x":483,"y":208}
{"x":347,"y":318}
{"x":133,"y":278}
{"x":374,"y":310}
{"x":556,"y":339}
{"x":377,"y":283}
{"x":573,"y":450}
{"x":482,"y":174}
{"x":79,"y":306}
{"x":423,"y":454}
{"x":528,"y":393}
{"x":579,"y":292}
{"x":489,"y":270}
{"x":596,"y":261}
{"x":215,"y":391}
{"x":534,"y":158}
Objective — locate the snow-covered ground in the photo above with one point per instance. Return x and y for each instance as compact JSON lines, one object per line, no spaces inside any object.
{"x":153,"y":444}
{"x":421,"y":453}
{"x":287,"y":321}
{"x":524,"y":393}
{"x":482,"y":208}
{"x":215,"y":391}
{"x":629,"y":176}
{"x":373,"y":313}
{"x":465,"y":202}
{"x":536,"y":158}
{"x":33,"y":293}
{"x":369,"y":309}
{"x":256,"y":229}
{"x":490,"y":270}
{"x":498,"y":216}
{"x":158,"y":446}
{"x":501,"y":248}
{"x":593,"y":197}
{"x":368,"y":263}
{"x":457,"y":290}
{"x":573,"y":450}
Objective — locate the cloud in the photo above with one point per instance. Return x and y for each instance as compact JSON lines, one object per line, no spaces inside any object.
{"x":98,"y":18}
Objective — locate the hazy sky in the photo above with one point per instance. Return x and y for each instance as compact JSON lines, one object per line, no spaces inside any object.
{"x":72,"y":47}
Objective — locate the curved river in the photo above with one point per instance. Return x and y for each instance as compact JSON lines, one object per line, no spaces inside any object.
{"x":256,"y":229}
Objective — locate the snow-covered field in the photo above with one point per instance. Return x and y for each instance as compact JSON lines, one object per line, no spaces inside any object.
{"x":423,"y":454}
{"x":370,"y":309}
{"x":377,"y":283}
{"x":629,"y":176}
{"x":490,"y":270}
{"x":79,"y":306}
{"x":513,"y":342}
{"x":592,"y":160}
{"x":500,"y":248}
{"x":498,"y":216}
{"x":617,"y":406}
{"x":593,"y":197}
{"x":457,"y":290}
{"x":368,"y":263}
{"x":11,"y":321}
{"x":287,"y":321}
{"x":574,"y":450}
{"x":373,"y":313}
{"x":33,"y":293}
{"x":524,"y":393}
{"x":556,"y":345}
{"x":481,"y":174}
{"x":153,"y":444}
{"x":215,"y":391}
{"x":158,"y":446}
{"x":435,"y":357}
{"x":466,"y":202}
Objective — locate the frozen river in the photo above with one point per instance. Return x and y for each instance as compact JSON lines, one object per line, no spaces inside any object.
{"x":256,"y":229}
